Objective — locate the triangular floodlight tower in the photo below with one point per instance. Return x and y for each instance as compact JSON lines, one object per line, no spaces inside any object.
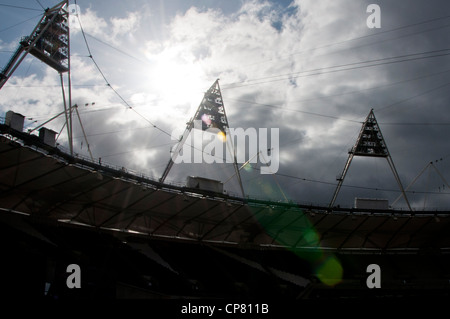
{"x":211,"y":113}
{"x":370,"y":143}
{"x":49,"y":42}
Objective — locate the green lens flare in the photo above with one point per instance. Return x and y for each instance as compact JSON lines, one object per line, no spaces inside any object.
{"x":311,"y":237}
{"x":330,"y":271}
{"x":303,"y":240}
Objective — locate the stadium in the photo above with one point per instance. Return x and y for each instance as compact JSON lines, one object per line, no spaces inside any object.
{"x":136,"y":237}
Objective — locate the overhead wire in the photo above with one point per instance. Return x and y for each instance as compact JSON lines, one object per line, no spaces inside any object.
{"x":351,"y":120}
{"x":116,"y":49}
{"x":366,"y":36}
{"x":19,"y":7}
{"x":339,"y":66}
{"x":413,"y":97}
{"x":297,"y":101}
{"x":233,"y":85}
{"x":351,"y":186}
{"x":40,"y":5}
{"x":371,"y":88}
{"x":19,"y":23}
{"x":136,"y":150}
{"x":109,"y":85}
{"x":357,"y":38}
{"x":335,"y":68}
{"x":295,"y":110}
{"x":126,"y":103}
{"x":117,"y":93}
{"x":386,"y":40}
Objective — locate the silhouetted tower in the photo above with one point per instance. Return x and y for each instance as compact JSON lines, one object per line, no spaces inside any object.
{"x":49,"y":42}
{"x":211,"y":113}
{"x":370,"y":143}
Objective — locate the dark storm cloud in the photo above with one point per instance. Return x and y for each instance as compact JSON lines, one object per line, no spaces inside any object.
{"x":420,"y":101}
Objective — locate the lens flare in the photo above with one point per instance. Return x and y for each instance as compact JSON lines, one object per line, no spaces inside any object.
{"x":311,"y":237}
{"x":206,"y":119}
{"x":303,"y":240}
{"x":248,"y":167}
{"x":330,"y":271}
{"x":222,"y":136}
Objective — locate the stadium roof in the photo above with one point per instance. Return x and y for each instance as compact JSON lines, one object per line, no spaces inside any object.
{"x":49,"y":185}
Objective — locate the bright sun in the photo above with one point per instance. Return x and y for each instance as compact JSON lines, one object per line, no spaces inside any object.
{"x":177,"y":81}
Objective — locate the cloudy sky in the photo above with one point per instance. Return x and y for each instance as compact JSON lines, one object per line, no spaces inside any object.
{"x":312,"y":69}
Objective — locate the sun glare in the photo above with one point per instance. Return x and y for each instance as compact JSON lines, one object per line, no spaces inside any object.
{"x":177,"y":81}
